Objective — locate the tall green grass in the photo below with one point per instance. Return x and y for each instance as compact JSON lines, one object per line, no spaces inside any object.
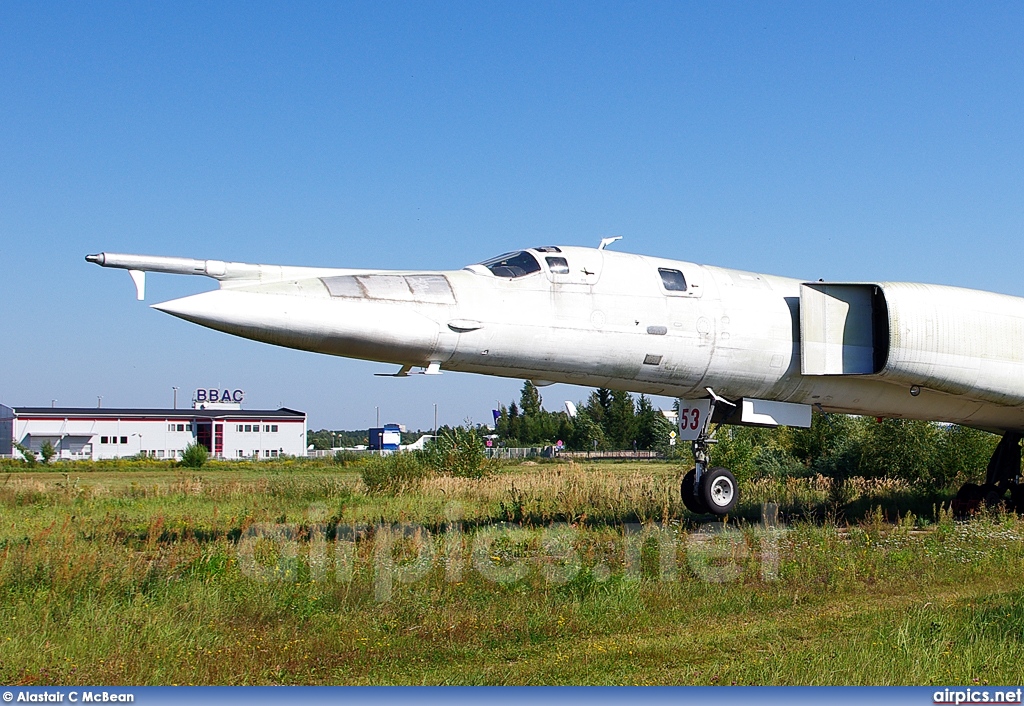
{"x":166,"y":576}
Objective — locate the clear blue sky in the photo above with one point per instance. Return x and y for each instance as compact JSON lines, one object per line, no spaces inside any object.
{"x":853,"y":141}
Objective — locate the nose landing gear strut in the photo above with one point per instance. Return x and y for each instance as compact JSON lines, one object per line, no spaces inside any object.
{"x":709,"y":489}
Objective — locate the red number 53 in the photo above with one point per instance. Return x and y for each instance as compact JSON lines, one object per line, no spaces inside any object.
{"x":689,"y":418}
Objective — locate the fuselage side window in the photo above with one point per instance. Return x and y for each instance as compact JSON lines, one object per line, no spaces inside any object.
{"x":514,"y":264}
{"x":672,"y":280}
{"x":558,"y":265}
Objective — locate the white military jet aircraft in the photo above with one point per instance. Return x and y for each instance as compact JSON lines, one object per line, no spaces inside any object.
{"x":734,"y":347}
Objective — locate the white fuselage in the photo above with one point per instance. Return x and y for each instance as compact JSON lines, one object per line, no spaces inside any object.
{"x":611,"y":319}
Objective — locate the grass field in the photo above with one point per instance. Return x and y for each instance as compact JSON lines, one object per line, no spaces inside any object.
{"x":537,"y":574}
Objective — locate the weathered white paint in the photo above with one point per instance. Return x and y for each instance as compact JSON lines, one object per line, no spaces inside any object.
{"x":610,"y":322}
{"x":836,"y":329}
{"x":773,"y":414}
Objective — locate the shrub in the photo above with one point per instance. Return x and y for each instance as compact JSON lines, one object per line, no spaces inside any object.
{"x":194,"y":456}
{"x":456,"y":452}
{"x":751,"y":452}
{"x":962,"y":455}
{"x":346,"y":458}
{"x":394,"y":472}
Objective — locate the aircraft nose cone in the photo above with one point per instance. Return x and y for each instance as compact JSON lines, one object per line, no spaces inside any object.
{"x":198,"y":308}
{"x":359,"y":329}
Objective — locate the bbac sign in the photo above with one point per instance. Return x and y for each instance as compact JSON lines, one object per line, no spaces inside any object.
{"x":213,"y":395}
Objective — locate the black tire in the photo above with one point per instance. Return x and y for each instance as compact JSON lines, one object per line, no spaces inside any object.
{"x":993,"y":496}
{"x":968,"y":499}
{"x":691,"y":499}
{"x":719,"y":491}
{"x":1017,"y":498}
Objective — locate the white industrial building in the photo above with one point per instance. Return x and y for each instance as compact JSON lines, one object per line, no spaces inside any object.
{"x":227,"y":431}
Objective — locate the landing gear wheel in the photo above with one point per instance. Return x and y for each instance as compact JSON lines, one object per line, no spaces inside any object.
{"x":968,"y":499}
{"x":719,"y":491}
{"x":1017,"y":498}
{"x":692,"y":499}
{"x":992,"y":495}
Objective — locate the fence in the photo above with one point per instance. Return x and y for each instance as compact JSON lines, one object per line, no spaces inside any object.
{"x":551,"y":452}
{"x":637,"y":455}
{"x":505,"y":454}
{"x":330,"y":453}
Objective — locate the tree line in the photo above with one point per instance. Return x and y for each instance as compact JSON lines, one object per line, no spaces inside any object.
{"x":839,"y":446}
{"x":938,"y":456}
{"x":608,"y":420}
{"x":933,"y":455}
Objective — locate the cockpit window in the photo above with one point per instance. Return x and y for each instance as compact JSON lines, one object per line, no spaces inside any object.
{"x":513,"y":264}
{"x":558,"y":265}
{"x":672,"y":280}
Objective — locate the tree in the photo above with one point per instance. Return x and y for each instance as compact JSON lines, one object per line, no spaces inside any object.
{"x":28,"y":454}
{"x":598,"y":404}
{"x":652,"y":428}
{"x":900,"y":448}
{"x":620,"y":420}
{"x":584,"y":434}
{"x":831,"y":446}
{"x":530,"y":400}
{"x":529,"y":423}
{"x":47,"y":451}
{"x":320,"y":440}
{"x":751,"y":452}
{"x":962,"y":455}
{"x":509,"y":425}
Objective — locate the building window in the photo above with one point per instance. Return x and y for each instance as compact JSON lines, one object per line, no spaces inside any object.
{"x":124,"y":439}
{"x":188,"y":427}
{"x":104,"y":439}
{"x":241,"y":454}
{"x":273,"y":427}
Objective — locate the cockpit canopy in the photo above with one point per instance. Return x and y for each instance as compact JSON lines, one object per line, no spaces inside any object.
{"x":512,"y":264}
